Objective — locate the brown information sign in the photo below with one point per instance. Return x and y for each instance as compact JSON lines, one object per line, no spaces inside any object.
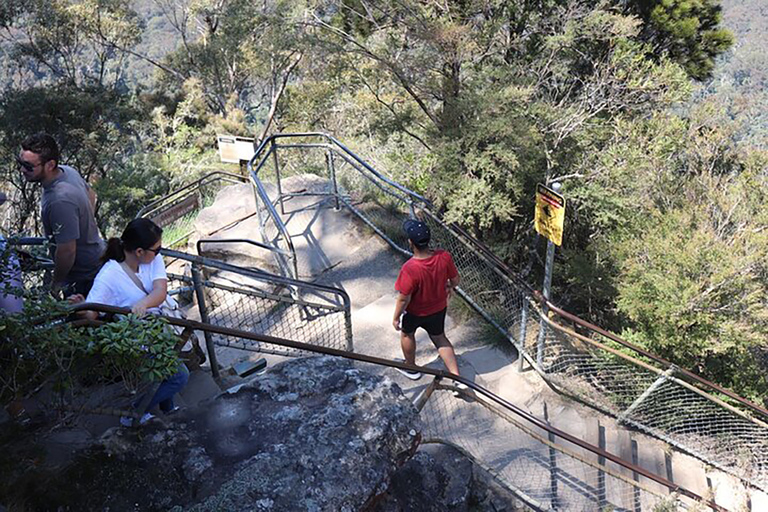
{"x":550,"y":214}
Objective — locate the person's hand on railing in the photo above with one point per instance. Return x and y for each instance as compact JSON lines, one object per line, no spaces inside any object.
{"x":77,"y":298}
{"x":139,"y":309}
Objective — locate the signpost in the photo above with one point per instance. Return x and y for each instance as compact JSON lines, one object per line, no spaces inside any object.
{"x":550,"y":213}
{"x":548,"y":221}
{"x":236,"y":150}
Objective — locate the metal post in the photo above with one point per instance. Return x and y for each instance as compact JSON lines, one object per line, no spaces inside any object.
{"x":332,"y":169}
{"x":550,"y":261}
{"x":635,"y":490}
{"x":277,"y":174}
{"x":552,"y":464}
{"x":545,"y":310}
{"x":200,"y":294}
{"x":523,"y":331}
{"x":602,"y":496}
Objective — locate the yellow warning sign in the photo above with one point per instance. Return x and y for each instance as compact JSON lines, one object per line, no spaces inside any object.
{"x":550,"y":214}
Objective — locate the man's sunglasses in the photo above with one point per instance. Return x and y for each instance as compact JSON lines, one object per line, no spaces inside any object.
{"x":26,"y":165}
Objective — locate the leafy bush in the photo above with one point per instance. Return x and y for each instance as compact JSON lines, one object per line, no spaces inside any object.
{"x":37,"y":346}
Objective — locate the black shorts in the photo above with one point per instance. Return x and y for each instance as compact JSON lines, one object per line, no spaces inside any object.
{"x":434,"y":324}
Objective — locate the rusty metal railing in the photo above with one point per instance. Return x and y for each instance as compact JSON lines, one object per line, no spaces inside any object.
{"x":565,"y":452}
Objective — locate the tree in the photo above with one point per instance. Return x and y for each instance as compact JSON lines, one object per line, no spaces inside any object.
{"x":687,"y":30}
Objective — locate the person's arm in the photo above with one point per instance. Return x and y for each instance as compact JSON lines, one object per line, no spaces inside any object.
{"x":92,"y":197}
{"x":451,"y":284}
{"x":155,"y":298}
{"x":77,"y":299}
{"x":64,"y":219}
{"x":400,"y":304}
{"x":63,"y":259}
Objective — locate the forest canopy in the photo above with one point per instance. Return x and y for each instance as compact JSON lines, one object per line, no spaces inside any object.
{"x":650,"y":113}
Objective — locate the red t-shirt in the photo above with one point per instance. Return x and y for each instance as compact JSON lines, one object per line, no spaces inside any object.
{"x":424,"y":280}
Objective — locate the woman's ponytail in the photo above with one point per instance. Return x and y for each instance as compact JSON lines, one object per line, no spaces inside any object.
{"x":114,"y":250}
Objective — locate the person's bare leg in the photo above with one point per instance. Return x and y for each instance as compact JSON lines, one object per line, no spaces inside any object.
{"x":408,"y":344}
{"x":447,"y":354}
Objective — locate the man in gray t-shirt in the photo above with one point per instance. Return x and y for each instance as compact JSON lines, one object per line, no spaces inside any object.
{"x":67,"y":213}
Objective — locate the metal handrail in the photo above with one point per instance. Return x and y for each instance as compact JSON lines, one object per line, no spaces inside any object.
{"x":238,"y":241}
{"x":335,"y":142}
{"x":284,"y":281}
{"x":208,"y":177}
{"x":439,"y":374}
{"x":262,"y":194}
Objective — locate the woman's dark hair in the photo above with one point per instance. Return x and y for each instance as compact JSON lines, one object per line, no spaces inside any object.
{"x":138,"y":234}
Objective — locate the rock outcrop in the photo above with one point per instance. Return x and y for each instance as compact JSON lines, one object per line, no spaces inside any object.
{"x":311,"y":434}
{"x":439,"y":478}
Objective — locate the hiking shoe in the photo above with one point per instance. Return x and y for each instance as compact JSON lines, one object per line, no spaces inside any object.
{"x":411,"y":375}
{"x":127,"y":421}
{"x":459,"y":388}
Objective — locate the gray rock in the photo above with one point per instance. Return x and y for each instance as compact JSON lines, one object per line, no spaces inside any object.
{"x":311,"y":434}
{"x":330,"y":437}
{"x":437,"y":478}
{"x":441,"y":478}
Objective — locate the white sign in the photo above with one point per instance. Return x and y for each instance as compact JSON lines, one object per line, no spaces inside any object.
{"x":233,"y":149}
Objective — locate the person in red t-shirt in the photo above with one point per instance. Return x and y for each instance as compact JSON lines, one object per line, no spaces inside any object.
{"x":425,"y":283}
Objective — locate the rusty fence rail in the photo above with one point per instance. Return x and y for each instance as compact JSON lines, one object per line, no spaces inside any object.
{"x":591,"y":365}
{"x":546,"y":467}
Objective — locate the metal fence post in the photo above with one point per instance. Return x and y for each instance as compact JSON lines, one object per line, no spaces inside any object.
{"x":200,"y":294}
{"x":602,"y":496}
{"x":523,"y":331}
{"x":545,"y":309}
{"x":552,"y":463}
{"x":332,"y":170}
{"x":277,"y":175}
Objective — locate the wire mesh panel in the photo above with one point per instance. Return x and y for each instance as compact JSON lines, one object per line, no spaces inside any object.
{"x":652,"y":400}
{"x":547,"y":472}
{"x":275,"y":314}
{"x":262,"y":303}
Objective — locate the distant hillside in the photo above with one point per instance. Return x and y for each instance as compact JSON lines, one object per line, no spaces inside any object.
{"x":159,"y":38}
{"x":740,"y":80}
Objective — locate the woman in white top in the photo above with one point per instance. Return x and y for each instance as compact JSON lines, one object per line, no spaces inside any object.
{"x":133,"y":276}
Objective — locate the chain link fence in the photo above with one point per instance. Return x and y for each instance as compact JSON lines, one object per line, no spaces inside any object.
{"x":249,"y":300}
{"x":545,"y":471}
{"x":610,"y":376}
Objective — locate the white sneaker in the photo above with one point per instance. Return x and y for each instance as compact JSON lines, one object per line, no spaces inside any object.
{"x":459,"y":388}
{"x":128,"y":421}
{"x":411,"y":375}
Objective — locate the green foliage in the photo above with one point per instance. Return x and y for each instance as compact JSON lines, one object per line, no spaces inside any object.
{"x":136,"y":349}
{"x":36,"y":347}
{"x":677,"y":244}
{"x":33,"y":349}
{"x":687,"y":30}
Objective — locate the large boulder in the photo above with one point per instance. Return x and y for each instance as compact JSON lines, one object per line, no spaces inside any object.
{"x":311,"y":434}
{"x":440,"y":478}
